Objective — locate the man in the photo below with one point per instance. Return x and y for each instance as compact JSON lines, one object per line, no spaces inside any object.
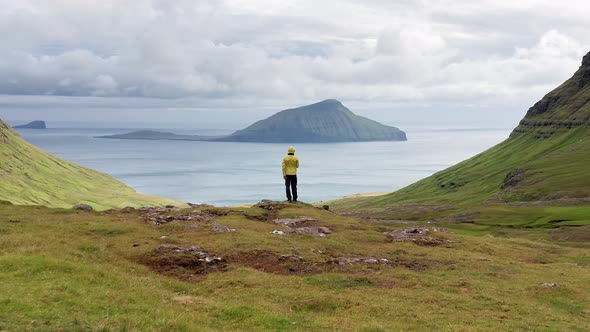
{"x":290,"y":165}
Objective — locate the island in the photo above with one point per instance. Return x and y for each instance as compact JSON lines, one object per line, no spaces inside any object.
{"x":32,"y":125}
{"x":324,"y":122}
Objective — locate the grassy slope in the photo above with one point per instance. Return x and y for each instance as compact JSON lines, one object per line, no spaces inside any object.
{"x":31,"y":176}
{"x":92,"y":280}
{"x":551,"y":145}
{"x":556,"y":166}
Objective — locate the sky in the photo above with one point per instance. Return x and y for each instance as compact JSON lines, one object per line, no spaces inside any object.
{"x":226,"y":63}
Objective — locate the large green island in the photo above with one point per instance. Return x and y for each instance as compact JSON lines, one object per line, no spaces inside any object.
{"x":323,"y":122}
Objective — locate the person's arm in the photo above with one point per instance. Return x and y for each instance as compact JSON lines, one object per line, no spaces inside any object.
{"x":284,"y":169}
{"x":297,"y":163}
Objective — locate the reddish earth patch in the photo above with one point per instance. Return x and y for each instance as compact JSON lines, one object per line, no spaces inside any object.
{"x":270,"y":262}
{"x":192,"y":263}
{"x":184,"y":263}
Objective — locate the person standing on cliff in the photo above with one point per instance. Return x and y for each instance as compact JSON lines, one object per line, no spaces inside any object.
{"x":290,"y":165}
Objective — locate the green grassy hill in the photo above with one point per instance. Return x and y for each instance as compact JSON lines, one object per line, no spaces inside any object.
{"x":31,"y":176}
{"x":118,"y":272}
{"x":547,"y":157}
{"x":326,"y":121}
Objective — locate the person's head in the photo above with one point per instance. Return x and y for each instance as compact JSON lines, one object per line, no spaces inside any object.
{"x":291,"y":150}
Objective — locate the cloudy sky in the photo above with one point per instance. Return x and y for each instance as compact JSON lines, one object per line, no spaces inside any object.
{"x":238,"y":60}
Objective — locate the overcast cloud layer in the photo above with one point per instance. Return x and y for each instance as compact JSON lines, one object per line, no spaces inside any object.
{"x":265,"y":52}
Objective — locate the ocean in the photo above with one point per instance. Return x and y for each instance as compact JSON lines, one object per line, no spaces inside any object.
{"x":223,"y":173}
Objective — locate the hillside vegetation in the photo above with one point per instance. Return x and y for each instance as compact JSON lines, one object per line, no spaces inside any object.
{"x":31,"y":176}
{"x":547,"y":158}
{"x":224,"y":269}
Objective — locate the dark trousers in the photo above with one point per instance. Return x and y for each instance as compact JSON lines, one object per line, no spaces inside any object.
{"x":291,"y":186}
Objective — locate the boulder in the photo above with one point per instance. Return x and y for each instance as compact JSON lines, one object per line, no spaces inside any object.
{"x":82,"y":207}
{"x":268,"y":204}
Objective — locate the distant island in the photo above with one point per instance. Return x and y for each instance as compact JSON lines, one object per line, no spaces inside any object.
{"x":32,"y":125}
{"x":323,"y":122}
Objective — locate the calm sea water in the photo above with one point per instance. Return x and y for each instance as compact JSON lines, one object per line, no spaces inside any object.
{"x":237,"y":173}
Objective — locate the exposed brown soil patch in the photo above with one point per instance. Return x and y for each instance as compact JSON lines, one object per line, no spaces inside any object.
{"x":191,"y":263}
{"x":184,"y":263}
{"x":289,"y":264}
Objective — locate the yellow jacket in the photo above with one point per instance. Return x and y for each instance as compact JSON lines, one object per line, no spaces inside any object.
{"x":290,"y":165}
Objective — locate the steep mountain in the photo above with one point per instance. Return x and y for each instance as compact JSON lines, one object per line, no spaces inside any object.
{"x":566,"y":107}
{"x":326,"y":121}
{"x":33,"y":125}
{"x":547,"y":157}
{"x":31,"y":176}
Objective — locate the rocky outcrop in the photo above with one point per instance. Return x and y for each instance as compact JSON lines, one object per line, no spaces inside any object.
{"x":191,"y":219}
{"x":513,"y":178}
{"x":82,"y":207}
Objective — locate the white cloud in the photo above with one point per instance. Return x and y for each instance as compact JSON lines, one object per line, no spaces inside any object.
{"x":304,"y":50}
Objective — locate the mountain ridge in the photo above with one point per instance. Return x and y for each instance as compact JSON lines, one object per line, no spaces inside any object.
{"x":565,"y":107}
